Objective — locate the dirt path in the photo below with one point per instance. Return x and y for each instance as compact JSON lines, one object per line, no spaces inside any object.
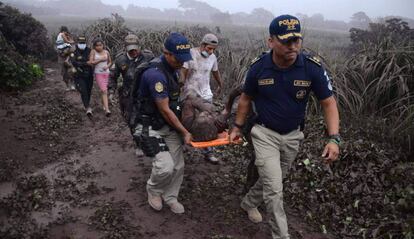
{"x":65,"y":176}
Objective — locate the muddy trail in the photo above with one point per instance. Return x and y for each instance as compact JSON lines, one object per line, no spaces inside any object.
{"x":63,"y":175}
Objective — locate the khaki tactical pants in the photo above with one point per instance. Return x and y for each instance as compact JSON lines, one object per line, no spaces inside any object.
{"x":274,"y":156}
{"x":167,"y":167}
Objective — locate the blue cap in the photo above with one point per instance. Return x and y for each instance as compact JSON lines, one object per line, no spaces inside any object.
{"x":179,"y":46}
{"x":285,"y":27}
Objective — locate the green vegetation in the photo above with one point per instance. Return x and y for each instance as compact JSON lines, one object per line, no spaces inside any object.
{"x":23,"y":42}
{"x":16,"y":72}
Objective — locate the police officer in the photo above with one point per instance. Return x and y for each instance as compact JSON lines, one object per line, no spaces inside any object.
{"x":125,"y":65}
{"x":159,"y":127}
{"x":83,"y":76}
{"x":279,"y":84}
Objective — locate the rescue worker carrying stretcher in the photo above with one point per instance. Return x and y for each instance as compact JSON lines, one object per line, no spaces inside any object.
{"x":279,"y":84}
{"x":155,"y":117}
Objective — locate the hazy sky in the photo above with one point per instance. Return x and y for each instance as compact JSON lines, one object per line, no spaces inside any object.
{"x":331,"y":9}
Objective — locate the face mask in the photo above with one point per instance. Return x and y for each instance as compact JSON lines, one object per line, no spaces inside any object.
{"x":204,"y":54}
{"x":82,"y":46}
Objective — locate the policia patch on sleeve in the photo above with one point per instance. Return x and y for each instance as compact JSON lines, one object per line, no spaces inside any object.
{"x":159,"y":87}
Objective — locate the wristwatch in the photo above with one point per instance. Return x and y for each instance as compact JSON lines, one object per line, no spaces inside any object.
{"x":335,"y":138}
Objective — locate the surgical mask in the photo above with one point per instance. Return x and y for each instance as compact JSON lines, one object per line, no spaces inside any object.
{"x":204,"y":54}
{"x":82,"y":46}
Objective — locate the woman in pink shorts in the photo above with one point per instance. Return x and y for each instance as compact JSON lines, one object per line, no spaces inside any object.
{"x":101,"y":59}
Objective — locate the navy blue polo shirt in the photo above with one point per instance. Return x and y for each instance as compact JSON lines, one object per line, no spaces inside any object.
{"x":154,"y":83}
{"x":280,"y":95}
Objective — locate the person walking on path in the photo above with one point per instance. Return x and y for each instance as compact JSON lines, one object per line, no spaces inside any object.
{"x":83,"y":72}
{"x":125,"y":65}
{"x":159,"y":128}
{"x":196,"y":76}
{"x":279,"y":83}
{"x":101,"y":60}
{"x":64,"y":46}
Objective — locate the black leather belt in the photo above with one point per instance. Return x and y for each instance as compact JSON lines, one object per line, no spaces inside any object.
{"x":277,"y":131}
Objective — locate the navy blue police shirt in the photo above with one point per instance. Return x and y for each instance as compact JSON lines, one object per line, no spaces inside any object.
{"x":280,"y":95}
{"x":154,"y":83}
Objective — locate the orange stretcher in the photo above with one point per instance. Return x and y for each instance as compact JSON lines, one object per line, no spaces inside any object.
{"x":223,"y":139}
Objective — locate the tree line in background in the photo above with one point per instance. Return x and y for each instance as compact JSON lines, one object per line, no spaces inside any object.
{"x":189,"y":10}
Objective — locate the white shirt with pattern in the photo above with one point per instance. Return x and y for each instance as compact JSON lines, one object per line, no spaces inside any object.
{"x":199,"y":70}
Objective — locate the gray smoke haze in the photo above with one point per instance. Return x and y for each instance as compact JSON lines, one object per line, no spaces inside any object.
{"x":331,"y":9}
{"x":322,"y":14}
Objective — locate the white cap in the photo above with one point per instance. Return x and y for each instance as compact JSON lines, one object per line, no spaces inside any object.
{"x":132,"y":47}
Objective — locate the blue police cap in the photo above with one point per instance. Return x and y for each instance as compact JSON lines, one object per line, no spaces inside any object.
{"x":285,"y":27}
{"x":179,"y":46}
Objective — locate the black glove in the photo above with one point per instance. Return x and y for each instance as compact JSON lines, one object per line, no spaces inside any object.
{"x":150,"y":146}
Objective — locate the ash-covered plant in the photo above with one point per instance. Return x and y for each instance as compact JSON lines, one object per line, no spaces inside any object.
{"x":111,"y":30}
{"x":378,"y":80}
{"x":16,"y":71}
{"x":26,"y":34}
{"x":23,"y":41}
{"x":394,"y":32}
{"x":233,"y":59}
{"x":368,"y":193}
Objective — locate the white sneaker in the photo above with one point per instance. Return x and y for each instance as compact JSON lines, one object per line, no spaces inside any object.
{"x":253,"y":214}
{"x":155,"y":202}
{"x":89,"y":111}
{"x":212,"y":159}
{"x":176,"y":207}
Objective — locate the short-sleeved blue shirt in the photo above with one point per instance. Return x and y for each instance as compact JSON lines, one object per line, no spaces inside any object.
{"x":154,"y":83}
{"x":280,"y":95}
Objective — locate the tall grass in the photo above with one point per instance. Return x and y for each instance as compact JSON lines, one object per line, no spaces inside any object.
{"x":379,"y":82}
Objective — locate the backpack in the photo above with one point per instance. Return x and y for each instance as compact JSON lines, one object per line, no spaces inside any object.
{"x":135,"y":99}
{"x":140,"y":106}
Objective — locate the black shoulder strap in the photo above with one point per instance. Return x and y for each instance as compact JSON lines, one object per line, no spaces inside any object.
{"x":139,"y":71}
{"x":173,"y":86}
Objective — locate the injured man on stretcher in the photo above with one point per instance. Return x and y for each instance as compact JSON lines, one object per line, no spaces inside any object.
{"x":200,"y":118}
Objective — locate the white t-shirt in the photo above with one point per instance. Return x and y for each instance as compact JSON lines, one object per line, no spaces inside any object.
{"x":199,"y":70}
{"x":99,"y":68}
{"x":60,"y":42}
